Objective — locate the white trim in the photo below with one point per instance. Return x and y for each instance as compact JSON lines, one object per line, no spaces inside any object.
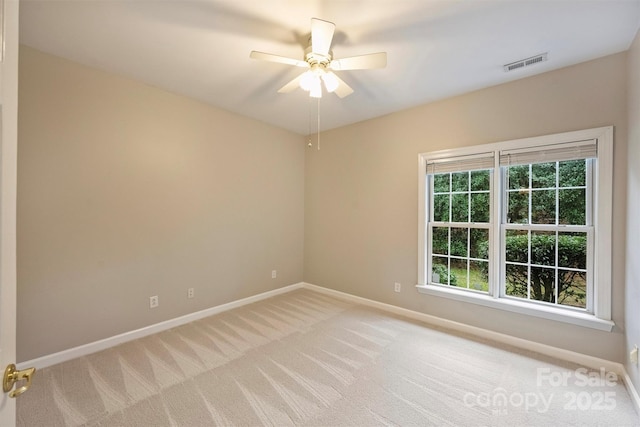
{"x":601,"y":293}
{"x":547,"y":350}
{"x":422,"y":207}
{"x":558,"y":353}
{"x":527,"y":308}
{"x":9,"y":17}
{"x":633,"y":392}
{"x":83,"y":350}
{"x":603,"y":224}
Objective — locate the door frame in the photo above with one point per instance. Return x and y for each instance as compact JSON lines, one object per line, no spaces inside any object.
{"x":8,"y":195}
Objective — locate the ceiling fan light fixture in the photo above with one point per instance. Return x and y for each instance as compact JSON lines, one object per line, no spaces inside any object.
{"x":311,"y":82}
{"x":320,"y":63}
{"x":316,"y":88}
{"x":307,"y":80}
{"x":330,"y":81}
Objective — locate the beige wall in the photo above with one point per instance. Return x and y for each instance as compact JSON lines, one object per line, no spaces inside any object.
{"x":361,"y":201}
{"x":632,"y":311}
{"x":126,"y":191}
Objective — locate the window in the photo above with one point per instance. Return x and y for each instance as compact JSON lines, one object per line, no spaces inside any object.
{"x":521,"y":225}
{"x":459,"y":225}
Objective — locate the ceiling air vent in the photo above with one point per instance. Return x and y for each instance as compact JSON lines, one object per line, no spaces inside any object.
{"x":525,"y":62}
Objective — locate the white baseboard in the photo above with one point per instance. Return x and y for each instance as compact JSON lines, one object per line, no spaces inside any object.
{"x":83,"y":350}
{"x":633,"y":392}
{"x":547,"y":350}
{"x":558,"y":353}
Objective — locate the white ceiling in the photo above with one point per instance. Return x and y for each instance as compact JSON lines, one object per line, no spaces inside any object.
{"x":436,"y":49}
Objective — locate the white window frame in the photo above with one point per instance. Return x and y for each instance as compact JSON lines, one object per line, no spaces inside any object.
{"x":598,"y":314}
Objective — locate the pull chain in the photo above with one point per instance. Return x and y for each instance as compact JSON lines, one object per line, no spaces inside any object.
{"x":309,"y":144}
{"x":309,"y":122}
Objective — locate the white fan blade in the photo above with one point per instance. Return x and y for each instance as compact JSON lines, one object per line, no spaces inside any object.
{"x":291,"y":86}
{"x":321,"y":36}
{"x":276,"y":58}
{"x":343,"y":89}
{"x":362,"y":62}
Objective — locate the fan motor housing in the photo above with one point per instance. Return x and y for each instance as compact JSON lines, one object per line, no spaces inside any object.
{"x":316,"y":58}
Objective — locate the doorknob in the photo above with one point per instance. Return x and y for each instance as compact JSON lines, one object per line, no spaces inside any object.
{"x":12,"y":375}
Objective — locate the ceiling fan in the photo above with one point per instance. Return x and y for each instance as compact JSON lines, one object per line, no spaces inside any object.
{"x":320,"y":64}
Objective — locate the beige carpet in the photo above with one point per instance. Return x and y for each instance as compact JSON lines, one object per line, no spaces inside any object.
{"x":304,"y":358}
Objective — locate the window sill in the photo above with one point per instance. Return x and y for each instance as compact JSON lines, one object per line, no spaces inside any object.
{"x":550,"y":313}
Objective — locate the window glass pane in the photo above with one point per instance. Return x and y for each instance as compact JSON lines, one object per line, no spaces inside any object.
{"x":572,"y":173}
{"x":459,"y":276}
{"x":453,"y":201}
{"x":572,"y":288}
{"x":459,"y":241}
{"x":543,"y":175}
{"x":441,"y":183}
{"x":441,"y":207}
{"x":517,"y":246}
{"x":517,"y":281}
{"x":479,"y":243}
{"x":440,"y":240}
{"x":440,"y":273}
{"x":543,"y":248}
{"x":543,"y":207}
{"x":543,"y":284}
{"x":518,"y":176}
{"x":572,"y":250}
{"x":480,"y":180}
{"x":460,"y":207}
{"x":480,"y":205}
{"x":573,"y":204}
{"x":479,"y":275}
{"x":518,"y":212}
{"x":460,"y":181}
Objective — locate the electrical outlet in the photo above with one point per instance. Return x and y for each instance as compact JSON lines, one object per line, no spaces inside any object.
{"x":274,"y":274}
{"x":633,"y":355}
{"x":397,"y":287}
{"x":191,"y":292}
{"x":153,"y":301}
